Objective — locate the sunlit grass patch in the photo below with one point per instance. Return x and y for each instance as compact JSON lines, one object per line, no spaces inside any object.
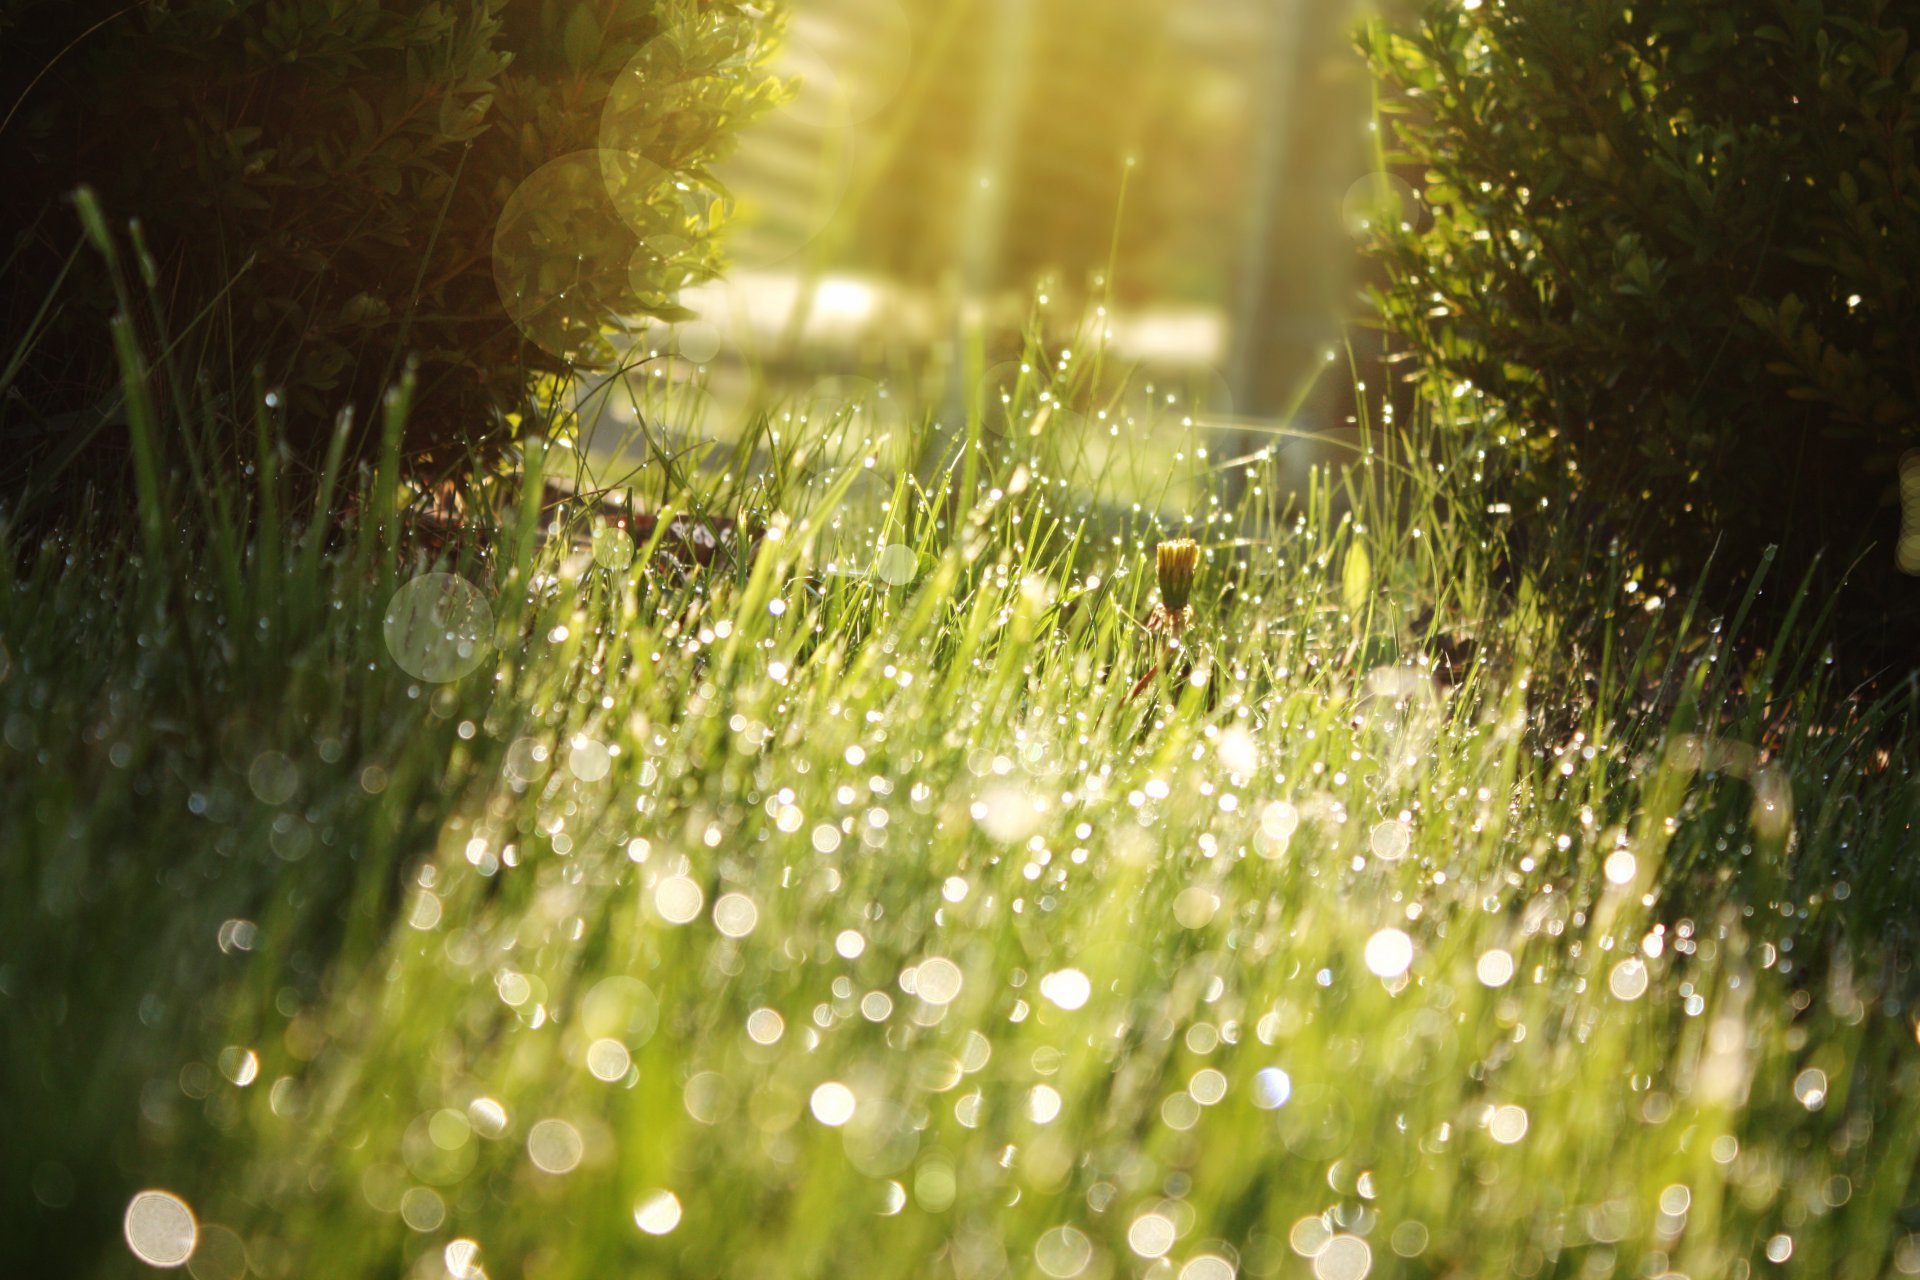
{"x":833,"y":909}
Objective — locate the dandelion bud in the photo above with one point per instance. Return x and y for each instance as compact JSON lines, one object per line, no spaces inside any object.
{"x":1176,"y":562}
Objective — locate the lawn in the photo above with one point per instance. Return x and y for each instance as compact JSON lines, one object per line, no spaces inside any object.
{"x":890,"y":901}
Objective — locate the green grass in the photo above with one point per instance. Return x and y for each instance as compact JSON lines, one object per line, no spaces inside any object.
{"x":689,"y":863}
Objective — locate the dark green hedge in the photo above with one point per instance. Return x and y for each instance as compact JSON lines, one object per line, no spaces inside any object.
{"x":319,"y":183}
{"x":1681,"y":242}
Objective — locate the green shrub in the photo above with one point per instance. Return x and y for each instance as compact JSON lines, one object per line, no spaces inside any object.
{"x":1681,"y":242}
{"x":325,"y":179}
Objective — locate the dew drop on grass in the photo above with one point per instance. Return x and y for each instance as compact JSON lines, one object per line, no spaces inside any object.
{"x":554,"y":1146}
{"x":1271,"y":1088}
{"x":1207,"y":1266}
{"x":608,"y":1060}
{"x":1495,"y":968}
{"x":1066,"y":988}
{"x":1389,"y":840}
{"x":1507,"y":1125}
{"x":1810,"y":1087}
{"x":1389,"y":953}
{"x":462,"y":1257}
{"x":765,"y":1026}
{"x":160,"y":1228}
{"x":832,"y":1104}
{"x":1620,"y":866}
{"x":937,"y":981}
{"x":589,"y":760}
{"x":1309,"y":1236}
{"x":488,"y":1117}
{"x":526,"y":760}
{"x":1345,"y":1257}
{"x":658,"y":1213}
{"x":241,"y":1066}
{"x":1628,"y":981}
{"x":678,"y":900}
{"x":735,"y":915}
{"x":1151,"y":1235}
{"x":1239,"y":753}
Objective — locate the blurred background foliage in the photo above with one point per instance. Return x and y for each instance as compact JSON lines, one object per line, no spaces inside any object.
{"x":335,"y":179}
{"x":327,"y":177}
{"x":1675,"y":246}
{"x":1680,"y":244}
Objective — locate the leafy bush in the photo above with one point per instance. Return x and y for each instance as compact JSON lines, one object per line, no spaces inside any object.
{"x":1682,"y":243}
{"x":328,"y":176}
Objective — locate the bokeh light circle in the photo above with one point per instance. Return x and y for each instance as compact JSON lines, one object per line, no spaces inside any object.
{"x":897,"y":565}
{"x":1389,"y":953}
{"x":555,"y":1147}
{"x":697,"y":340}
{"x":1063,"y":1252}
{"x":657,"y":1214}
{"x":612,"y":546}
{"x":563,"y":260}
{"x":218,"y":1254}
{"x":438,"y":627}
{"x":786,"y":179}
{"x":160,"y":1229}
{"x":1380,"y":203}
